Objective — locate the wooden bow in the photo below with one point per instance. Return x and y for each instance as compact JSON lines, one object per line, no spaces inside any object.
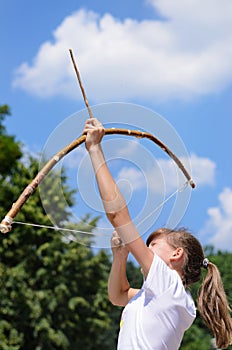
{"x":5,"y":225}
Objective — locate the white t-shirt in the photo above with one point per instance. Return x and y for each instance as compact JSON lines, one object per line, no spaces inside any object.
{"x":157,"y":317}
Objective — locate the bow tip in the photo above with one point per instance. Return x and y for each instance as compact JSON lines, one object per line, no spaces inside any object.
{"x":192,"y":184}
{"x":5,"y":226}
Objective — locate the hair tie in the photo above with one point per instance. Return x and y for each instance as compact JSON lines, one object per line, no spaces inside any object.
{"x":205,"y":263}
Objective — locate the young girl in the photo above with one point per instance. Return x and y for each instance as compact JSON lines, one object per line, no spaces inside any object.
{"x":156,"y":316}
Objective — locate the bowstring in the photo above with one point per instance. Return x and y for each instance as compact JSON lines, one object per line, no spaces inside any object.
{"x":57,"y":228}
{"x":180,"y":189}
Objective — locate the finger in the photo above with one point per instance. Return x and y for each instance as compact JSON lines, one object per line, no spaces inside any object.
{"x":87,"y":128}
{"x":93,"y":121}
{"x":115,"y":234}
{"x":115,"y":239}
{"x":116,"y":242}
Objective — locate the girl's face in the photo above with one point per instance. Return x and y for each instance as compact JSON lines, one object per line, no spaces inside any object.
{"x":161,"y":247}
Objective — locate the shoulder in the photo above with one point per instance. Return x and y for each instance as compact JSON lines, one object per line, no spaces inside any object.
{"x":161,"y":277}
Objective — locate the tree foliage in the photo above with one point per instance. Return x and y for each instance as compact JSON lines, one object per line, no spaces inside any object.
{"x":10,"y":150}
{"x":53,"y":290}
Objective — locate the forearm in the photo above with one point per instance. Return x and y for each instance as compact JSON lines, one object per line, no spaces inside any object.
{"x":113,"y":201}
{"x":118,"y":285}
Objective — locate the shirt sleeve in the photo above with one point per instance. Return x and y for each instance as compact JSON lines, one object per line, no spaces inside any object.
{"x":160,"y":277}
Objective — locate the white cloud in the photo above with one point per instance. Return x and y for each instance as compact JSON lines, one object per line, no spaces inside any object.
{"x":132,"y":178}
{"x":203,"y":170}
{"x":202,"y":173}
{"x":131,"y":149}
{"x":166,"y":176}
{"x":186,"y":55}
{"x":219,"y":223}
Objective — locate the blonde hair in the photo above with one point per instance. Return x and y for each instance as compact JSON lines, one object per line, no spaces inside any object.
{"x":212,"y":301}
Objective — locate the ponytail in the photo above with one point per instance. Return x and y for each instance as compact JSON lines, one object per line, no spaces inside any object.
{"x":213,"y":306}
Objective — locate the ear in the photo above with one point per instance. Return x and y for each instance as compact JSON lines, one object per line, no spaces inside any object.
{"x":177,"y":255}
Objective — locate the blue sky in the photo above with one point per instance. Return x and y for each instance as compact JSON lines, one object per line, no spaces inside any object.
{"x":160,"y":65}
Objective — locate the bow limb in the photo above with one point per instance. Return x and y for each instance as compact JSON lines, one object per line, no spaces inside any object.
{"x":5,"y":225}
{"x":143,"y":134}
{"x":80,"y":84}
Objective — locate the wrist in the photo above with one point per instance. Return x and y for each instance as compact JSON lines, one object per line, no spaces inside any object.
{"x":119,"y":256}
{"x":94,"y":148}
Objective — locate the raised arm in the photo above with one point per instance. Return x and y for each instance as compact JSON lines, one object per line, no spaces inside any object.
{"x":113,"y":201}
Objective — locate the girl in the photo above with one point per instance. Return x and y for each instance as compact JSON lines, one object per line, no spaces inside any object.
{"x":156,"y":316}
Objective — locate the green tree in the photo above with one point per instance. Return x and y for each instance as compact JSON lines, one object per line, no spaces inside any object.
{"x":53,"y":291}
{"x":10,"y":150}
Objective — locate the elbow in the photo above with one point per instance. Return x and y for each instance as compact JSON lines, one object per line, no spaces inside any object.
{"x":113,"y":219}
{"x":118,"y":297}
{"x":111,"y":216}
{"x":119,"y":218}
{"x":115,"y":301}
{"x":112,"y":297}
